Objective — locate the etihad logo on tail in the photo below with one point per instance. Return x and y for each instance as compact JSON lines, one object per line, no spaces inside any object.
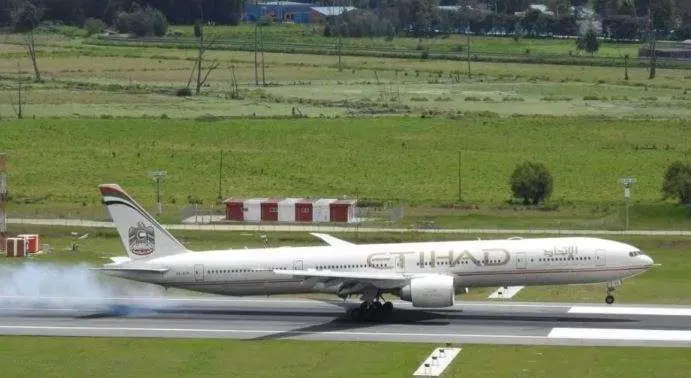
{"x":142,"y":239}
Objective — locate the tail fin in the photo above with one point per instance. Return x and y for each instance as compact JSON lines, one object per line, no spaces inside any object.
{"x":141,"y":235}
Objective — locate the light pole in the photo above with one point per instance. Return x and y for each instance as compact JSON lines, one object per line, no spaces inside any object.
{"x":157,"y":176}
{"x":627,"y":183}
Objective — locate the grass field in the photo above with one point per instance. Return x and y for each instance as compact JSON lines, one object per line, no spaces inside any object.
{"x":96,"y":81}
{"x":665,"y":284}
{"x":385,"y":159}
{"x":82,"y":357}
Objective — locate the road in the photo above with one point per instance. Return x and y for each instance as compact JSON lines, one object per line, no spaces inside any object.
{"x":350,"y":228}
{"x":259,"y":318}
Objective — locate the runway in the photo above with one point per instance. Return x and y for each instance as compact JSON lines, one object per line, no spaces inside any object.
{"x":270,"y":319}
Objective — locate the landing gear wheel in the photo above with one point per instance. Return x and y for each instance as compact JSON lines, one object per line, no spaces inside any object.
{"x":609,"y":299}
{"x":387,"y":308}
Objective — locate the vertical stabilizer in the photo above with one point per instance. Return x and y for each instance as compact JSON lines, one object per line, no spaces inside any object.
{"x":142,"y":236}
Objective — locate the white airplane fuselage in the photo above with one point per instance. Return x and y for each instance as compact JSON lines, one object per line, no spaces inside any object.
{"x":476,"y":263}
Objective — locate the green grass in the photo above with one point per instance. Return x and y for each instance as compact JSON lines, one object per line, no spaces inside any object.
{"x":60,"y":162}
{"x":84,"y":357}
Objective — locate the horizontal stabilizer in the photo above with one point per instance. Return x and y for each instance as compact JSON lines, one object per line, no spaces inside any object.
{"x":333,"y":241}
{"x":119,"y":259}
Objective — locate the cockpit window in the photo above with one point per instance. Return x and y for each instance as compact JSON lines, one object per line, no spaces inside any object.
{"x":635,"y":253}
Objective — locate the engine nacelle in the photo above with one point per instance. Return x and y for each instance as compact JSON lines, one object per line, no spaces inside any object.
{"x":431,"y":291}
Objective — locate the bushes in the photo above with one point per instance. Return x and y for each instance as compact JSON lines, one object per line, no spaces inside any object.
{"x":677,"y":182}
{"x":531,"y":182}
{"x":94,"y":26}
{"x":142,"y":22}
{"x":358,"y":23}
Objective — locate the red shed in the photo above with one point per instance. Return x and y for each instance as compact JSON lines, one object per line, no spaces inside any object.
{"x":342,"y":211}
{"x":270,"y":209}
{"x":303,"y":210}
{"x":234,"y":209}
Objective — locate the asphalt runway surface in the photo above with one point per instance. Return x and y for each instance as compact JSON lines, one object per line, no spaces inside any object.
{"x":259,"y":318}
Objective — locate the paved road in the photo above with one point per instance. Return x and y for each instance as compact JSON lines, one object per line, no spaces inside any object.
{"x":350,"y":228}
{"x":268,"y":318}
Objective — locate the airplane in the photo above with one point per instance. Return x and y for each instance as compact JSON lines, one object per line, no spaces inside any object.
{"x":427,"y":274}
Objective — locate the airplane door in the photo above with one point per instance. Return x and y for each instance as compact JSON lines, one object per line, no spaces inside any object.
{"x":521,"y":260}
{"x":399,"y":263}
{"x":600,"y":257}
{"x":199,"y":272}
{"x":297,"y":265}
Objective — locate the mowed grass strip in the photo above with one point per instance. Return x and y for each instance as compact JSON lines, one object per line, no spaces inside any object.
{"x":115,"y":357}
{"x":389,"y":159}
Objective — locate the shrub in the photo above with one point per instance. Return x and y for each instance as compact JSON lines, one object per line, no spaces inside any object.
{"x":142,"y":22}
{"x":183,"y":92}
{"x":677,"y":182}
{"x":94,"y":26}
{"x":531,"y":182}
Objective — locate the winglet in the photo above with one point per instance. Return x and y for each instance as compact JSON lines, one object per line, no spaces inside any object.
{"x":333,"y":241}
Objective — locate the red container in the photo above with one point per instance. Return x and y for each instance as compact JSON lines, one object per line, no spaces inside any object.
{"x":270,"y":210}
{"x":234,"y":209}
{"x":32,"y":242}
{"x":303,"y":211}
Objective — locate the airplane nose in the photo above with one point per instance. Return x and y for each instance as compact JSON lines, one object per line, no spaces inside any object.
{"x":647,"y":260}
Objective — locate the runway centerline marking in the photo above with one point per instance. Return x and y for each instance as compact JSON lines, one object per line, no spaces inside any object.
{"x":257,"y":331}
{"x":614,"y":310}
{"x":619,"y":334}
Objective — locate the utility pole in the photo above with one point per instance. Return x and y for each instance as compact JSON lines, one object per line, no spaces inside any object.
{"x":157,"y":176}
{"x":460,"y":199}
{"x":651,"y":44}
{"x":467,"y":34}
{"x":256,"y":73}
{"x":627,"y":183}
{"x":220,"y":177}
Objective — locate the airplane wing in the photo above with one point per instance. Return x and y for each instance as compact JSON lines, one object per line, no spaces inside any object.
{"x":333,"y":241}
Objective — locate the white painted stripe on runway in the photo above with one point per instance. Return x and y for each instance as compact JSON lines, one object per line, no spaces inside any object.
{"x":505,"y":292}
{"x":459,"y":305}
{"x":619,"y":334}
{"x":437,"y":362}
{"x":257,"y":331}
{"x":617,"y":310}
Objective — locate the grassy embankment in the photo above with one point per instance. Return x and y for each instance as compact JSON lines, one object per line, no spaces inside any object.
{"x":56,"y":165}
{"x":84,"y":357}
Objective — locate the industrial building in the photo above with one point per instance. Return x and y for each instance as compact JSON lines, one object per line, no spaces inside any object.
{"x":291,"y":12}
{"x":290,"y":210}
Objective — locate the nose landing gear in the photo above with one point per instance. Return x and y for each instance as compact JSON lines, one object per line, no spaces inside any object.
{"x":611,"y":287}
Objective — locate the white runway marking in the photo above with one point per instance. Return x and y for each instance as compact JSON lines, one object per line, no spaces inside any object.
{"x":437,"y":362}
{"x":615,"y":310}
{"x":619,"y":334}
{"x":256,"y":331}
{"x":505,"y":293}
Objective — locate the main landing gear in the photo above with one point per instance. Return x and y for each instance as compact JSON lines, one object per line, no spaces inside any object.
{"x":371,"y":311}
{"x":372,"y":308}
{"x":611,"y":287}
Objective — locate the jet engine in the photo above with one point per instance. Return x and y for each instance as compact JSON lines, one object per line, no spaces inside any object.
{"x":431,"y":291}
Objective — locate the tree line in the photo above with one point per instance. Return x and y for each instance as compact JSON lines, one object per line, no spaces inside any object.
{"x":620,"y":19}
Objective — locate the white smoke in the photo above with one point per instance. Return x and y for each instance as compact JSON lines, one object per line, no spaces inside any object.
{"x":48,"y":285}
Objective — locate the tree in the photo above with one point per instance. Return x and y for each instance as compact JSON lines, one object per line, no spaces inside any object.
{"x":202,"y":45}
{"x":588,"y":42}
{"x":531,"y":182}
{"x":25,"y":17}
{"x":677,"y":182}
